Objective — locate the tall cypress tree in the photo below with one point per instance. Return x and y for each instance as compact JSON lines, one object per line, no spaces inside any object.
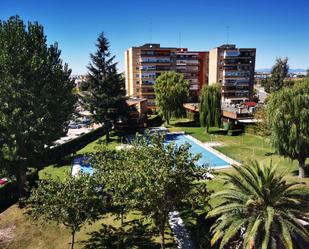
{"x":210,"y":106}
{"x":105,"y":95}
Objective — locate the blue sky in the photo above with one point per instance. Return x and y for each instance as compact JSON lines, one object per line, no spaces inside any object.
{"x":275,"y":27}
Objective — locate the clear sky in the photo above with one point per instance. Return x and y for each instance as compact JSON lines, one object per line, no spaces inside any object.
{"x":275,"y":27}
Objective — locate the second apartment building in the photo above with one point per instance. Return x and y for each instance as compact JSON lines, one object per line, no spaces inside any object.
{"x":228,"y":65}
{"x":145,"y":63}
{"x":234,"y":69}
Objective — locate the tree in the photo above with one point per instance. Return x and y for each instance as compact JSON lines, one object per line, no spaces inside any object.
{"x":210,"y":106}
{"x":288,"y":117}
{"x":262,"y":126}
{"x":171,"y":90}
{"x":112,"y":169}
{"x":260,"y":209}
{"x":36,"y":99}
{"x":164,"y":177}
{"x":278,"y":74}
{"x":105,"y":97}
{"x":73,"y":203}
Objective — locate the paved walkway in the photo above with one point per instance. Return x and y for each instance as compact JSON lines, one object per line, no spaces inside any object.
{"x":181,"y":234}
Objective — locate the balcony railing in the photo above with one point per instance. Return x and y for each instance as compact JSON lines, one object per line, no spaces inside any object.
{"x":231,"y":53}
{"x":155,"y":60}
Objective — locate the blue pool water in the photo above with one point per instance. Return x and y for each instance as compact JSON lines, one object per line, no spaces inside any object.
{"x":84,"y":163}
{"x":207,"y":157}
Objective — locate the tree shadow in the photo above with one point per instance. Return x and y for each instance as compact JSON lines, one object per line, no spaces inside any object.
{"x":270,"y":153}
{"x":134,"y":234}
{"x":187,"y":124}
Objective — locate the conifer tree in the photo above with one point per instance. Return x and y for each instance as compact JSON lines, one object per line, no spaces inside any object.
{"x":105,"y":95}
{"x":278,"y":74}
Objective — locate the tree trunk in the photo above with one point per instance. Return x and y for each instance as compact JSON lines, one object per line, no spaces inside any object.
{"x":107,"y":135}
{"x":21,"y":181}
{"x":72,"y":239}
{"x":162,"y":238}
{"x":301,"y":170}
{"x":121,"y":219}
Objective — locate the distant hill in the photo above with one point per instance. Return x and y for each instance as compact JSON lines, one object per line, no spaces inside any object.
{"x":292,"y":70}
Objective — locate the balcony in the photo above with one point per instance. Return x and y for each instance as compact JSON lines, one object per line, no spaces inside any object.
{"x":155,"y":60}
{"x":192,"y":62}
{"x":194,"y":87}
{"x":236,"y":81}
{"x":148,"y":76}
{"x":231,"y":53}
{"x":227,"y":73}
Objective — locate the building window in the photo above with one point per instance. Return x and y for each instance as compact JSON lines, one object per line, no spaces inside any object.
{"x":137,"y":68}
{"x":137,"y":75}
{"x":137,"y":82}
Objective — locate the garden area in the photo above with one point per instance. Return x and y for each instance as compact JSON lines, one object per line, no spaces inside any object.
{"x":19,"y":229}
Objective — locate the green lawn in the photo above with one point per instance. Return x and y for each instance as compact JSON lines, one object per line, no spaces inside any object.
{"x":27,"y":234}
{"x":63,"y":170}
{"x":24,"y":233}
{"x":242,"y":148}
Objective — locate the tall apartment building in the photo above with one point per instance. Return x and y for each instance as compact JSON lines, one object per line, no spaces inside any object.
{"x":145,"y":63}
{"x":234,"y":69}
{"x":194,"y":66}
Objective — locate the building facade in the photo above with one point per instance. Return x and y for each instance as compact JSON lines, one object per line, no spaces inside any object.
{"x":194,"y":66}
{"x":234,"y":69}
{"x":145,"y":63}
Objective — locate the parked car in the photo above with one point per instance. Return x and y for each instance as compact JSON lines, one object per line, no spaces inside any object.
{"x":3,"y":181}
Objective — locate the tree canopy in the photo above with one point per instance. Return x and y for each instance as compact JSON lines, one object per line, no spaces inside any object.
{"x":288,"y":117}
{"x":105,"y":88}
{"x":74,"y":202}
{"x":259,"y":209}
{"x":171,"y":90}
{"x":112,"y":168}
{"x":151,"y":177}
{"x":210,"y":106}
{"x":36,"y":99}
{"x":278,"y":74}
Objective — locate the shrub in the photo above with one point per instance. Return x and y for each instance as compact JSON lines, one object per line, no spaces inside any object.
{"x":155,"y":121}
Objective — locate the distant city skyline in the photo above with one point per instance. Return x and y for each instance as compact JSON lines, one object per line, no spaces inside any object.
{"x":274,"y":28}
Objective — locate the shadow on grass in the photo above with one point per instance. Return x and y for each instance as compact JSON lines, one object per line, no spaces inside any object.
{"x":64,"y":161}
{"x":270,"y":153}
{"x":187,"y":124}
{"x":135,"y":234}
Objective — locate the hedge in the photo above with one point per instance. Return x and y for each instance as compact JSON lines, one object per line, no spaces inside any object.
{"x":155,"y":121}
{"x":56,"y":153}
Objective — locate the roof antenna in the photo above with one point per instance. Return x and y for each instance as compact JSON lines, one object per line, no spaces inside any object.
{"x":227,"y":34}
{"x":179,"y":39}
{"x":150,"y":30}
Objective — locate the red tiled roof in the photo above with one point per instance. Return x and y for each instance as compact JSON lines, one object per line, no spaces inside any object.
{"x":250,"y":104}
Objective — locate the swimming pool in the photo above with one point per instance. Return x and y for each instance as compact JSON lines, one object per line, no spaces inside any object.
{"x":207,"y":156}
{"x":81,"y":164}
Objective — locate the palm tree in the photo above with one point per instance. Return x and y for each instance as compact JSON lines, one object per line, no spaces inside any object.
{"x":260,"y":208}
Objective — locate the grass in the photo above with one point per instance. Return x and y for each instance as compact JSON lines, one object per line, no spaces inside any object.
{"x":242,"y":148}
{"x":28,"y":234}
{"x":63,"y":169}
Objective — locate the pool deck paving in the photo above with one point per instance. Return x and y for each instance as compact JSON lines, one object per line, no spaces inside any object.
{"x":182,"y":237}
{"x":217,"y":153}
